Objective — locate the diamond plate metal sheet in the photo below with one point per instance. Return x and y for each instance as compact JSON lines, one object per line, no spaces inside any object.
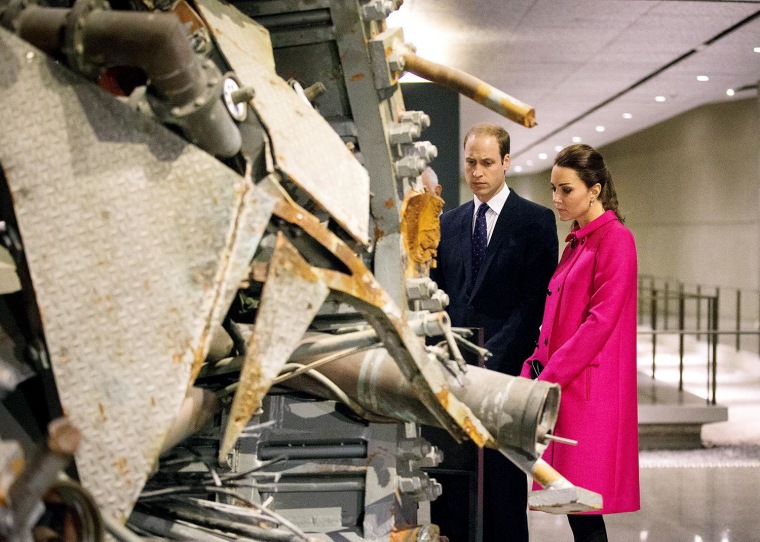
{"x":136,"y":241}
{"x":304,"y":145}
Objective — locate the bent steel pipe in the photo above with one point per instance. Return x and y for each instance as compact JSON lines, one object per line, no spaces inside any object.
{"x":518,"y":412}
{"x":185,"y":89}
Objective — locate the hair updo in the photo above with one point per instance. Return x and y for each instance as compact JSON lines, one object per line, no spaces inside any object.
{"x":591,"y":169}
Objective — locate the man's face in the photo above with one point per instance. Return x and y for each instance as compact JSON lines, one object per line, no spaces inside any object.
{"x":484,"y":168}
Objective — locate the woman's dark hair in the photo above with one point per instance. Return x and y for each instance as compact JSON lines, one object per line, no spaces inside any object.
{"x":590,"y":167}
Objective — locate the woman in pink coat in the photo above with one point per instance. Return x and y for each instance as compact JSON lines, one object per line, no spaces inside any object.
{"x":587,"y":343}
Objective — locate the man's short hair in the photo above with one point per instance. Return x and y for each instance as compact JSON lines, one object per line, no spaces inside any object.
{"x":488,"y":129}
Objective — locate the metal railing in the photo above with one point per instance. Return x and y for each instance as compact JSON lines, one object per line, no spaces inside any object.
{"x":661,"y":300}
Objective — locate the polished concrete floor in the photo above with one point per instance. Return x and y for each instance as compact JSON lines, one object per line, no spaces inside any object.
{"x":699,"y":500}
{"x":704,"y":495}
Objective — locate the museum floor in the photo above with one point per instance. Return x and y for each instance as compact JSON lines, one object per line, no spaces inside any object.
{"x":702,"y":495}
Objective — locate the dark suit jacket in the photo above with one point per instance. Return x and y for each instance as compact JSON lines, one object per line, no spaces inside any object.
{"x":507,"y":298}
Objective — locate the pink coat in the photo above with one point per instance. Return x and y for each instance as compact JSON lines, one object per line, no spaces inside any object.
{"x":588,"y":346}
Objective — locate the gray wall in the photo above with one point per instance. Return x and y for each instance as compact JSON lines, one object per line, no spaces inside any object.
{"x":689,"y":189}
{"x":442,"y":106}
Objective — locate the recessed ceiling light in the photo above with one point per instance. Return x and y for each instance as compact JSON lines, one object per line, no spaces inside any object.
{"x":518,"y":169}
{"x":756,"y":49}
{"x":599,"y":128}
{"x":558,"y":148}
{"x":529,"y":162}
{"x":627,"y":116}
{"x":659,"y":98}
{"x":730,"y":92}
{"x":542,"y":156}
{"x":576,"y":139}
{"x":702,"y":78}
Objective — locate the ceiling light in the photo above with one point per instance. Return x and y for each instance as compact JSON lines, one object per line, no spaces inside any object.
{"x":756,"y":49}
{"x":576,"y":139}
{"x":659,"y":98}
{"x":599,"y":128}
{"x":730,"y":92}
{"x":627,"y":116}
{"x":518,"y":169}
{"x":529,"y":162}
{"x":702,"y":78}
{"x":542,"y":156}
{"x":558,"y":148}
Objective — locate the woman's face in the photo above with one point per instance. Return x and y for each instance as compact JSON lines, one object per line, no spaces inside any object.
{"x":572,"y":197}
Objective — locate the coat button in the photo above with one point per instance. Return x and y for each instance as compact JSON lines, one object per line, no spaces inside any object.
{"x":546,"y":342}
{"x":583,"y":241}
{"x":548,"y":291}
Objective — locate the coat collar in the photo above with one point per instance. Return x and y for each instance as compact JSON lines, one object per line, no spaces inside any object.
{"x":578,"y":233}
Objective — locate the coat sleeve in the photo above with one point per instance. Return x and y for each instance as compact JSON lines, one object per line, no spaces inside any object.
{"x":614,"y":278}
{"x":517,"y":336}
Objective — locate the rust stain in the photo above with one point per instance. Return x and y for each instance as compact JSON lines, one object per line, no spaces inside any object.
{"x":102,"y":410}
{"x":357,"y":77}
{"x":371,"y":457}
{"x":152,"y":401}
{"x":473,"y":433}
{"x":443,"y":397}
{"x":413,"y":533}
{"x":121,"y":466}
{"x":17,"y":466}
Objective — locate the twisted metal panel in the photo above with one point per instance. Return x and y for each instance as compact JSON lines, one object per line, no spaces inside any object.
{"x":304,"y":145}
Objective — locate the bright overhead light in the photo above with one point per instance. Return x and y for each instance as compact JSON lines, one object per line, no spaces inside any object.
{"x":730,"y":92}
{"x":627,"y":116}
{"x":659,"y":98}
{"x":518,"y":169}
{"x":576,"y":139}
{"x":542,"y":156}
{"x":756,"y":49}
{"x":557,"y":148}
{"x":702,"y":78}
{"x":599,"y":128}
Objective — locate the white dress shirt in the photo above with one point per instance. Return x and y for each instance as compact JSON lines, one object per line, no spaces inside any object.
{"x":495,"y":205}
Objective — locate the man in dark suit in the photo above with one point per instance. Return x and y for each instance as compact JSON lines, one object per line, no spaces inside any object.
{"x":495,"y":265}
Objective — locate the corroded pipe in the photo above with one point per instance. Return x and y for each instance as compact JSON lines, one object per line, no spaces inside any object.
{"x":53,"y":455}
{"x":198,"y":408}
{"x":472,"y":87}
{"x":186,"y":90}
{"x":517,"y":411}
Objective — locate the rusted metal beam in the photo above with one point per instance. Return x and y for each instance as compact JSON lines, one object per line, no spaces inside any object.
{"x":359,"y":288}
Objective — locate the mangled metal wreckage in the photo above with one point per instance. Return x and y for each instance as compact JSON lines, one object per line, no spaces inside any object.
{"x":214,"y":234}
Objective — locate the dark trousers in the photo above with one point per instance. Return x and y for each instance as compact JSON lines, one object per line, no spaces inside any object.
{"x":505,"y":499}
{"x":588,"y":528}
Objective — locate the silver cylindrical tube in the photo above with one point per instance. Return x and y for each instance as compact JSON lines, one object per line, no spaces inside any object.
{"x":518,"y":412}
